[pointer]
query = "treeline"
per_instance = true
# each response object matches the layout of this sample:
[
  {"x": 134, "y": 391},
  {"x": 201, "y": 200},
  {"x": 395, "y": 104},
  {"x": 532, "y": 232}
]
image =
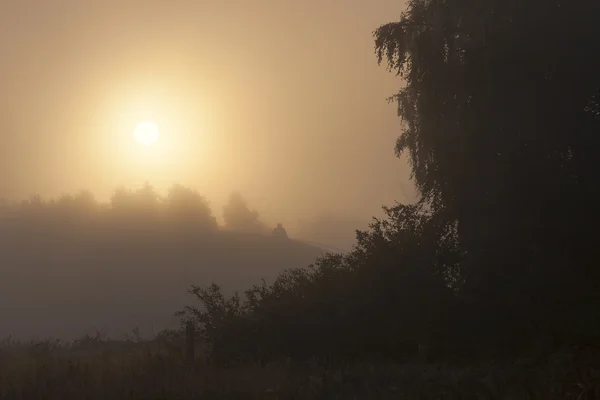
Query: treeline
[
  {"x": 501, "y": 117},
  {"x": 136, "y": 209},
  {"x": 73, "y": 265}
]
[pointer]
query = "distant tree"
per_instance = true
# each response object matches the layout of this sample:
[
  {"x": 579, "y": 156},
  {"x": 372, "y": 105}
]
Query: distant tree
[
  {"x": 280, "y": 232},
  {"x": 238, "y": 216},
  {"x": 501, "y": 122},
  {"x": 120, "y": 199},
  {"x": 35, "y": 207},
  {"x": 146, "y": 198},
  {"x": 82, "y": 205},
  {"x": 186, "y": 207},
  {"x": 85, "y": 201},
  {"x": 136, "y": 209}
]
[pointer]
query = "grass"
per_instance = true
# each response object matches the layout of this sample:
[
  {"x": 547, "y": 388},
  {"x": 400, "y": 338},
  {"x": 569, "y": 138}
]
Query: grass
[{"x": 99, "y": 368}]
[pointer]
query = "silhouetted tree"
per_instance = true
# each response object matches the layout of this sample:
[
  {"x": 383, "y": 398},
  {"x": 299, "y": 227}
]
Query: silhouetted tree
[
  {"x": 121, "y": 199},
  {"x": 501, "y": 123},
  {"x": 280, "y": 232},
  {"x": 34, "y": 209},
  {"x": 186, "y": 207},
  {"x": 141, "y": 205},
  {"x": 81, "y": 206},
  {"x": 238, "y": 216}
]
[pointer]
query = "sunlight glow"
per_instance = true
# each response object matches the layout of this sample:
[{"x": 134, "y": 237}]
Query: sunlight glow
[
  {"x": 146, "y": 133},
  {"x": 159, "y": 134}
]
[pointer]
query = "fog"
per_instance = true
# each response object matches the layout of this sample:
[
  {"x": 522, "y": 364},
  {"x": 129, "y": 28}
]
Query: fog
[
  {"x": 281, "y": 101},
  {"x": 74, "y": 266}
]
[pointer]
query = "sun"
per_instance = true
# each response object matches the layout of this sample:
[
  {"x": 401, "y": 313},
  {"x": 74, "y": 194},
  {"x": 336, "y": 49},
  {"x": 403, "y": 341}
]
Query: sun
[{"x": 146, "y": 133}]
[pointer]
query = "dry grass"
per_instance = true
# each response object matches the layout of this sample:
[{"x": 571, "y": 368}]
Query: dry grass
[{"x": 100, "y": 369}]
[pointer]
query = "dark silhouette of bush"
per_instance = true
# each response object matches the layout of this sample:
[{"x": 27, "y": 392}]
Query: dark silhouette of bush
[
  {"x": 379, "y": 301},
  {"x": 501, "y": 120}
]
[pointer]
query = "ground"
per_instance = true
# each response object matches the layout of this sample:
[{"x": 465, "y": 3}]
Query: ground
[{"x": 102, "y": 369}]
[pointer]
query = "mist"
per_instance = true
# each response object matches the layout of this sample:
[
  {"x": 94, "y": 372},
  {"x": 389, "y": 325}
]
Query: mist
[
  {"x": 73, "y": 266},
  {"x": 281, "y": 101}
]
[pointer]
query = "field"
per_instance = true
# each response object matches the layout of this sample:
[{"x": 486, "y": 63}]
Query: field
[{"x": 98, "y": 368}]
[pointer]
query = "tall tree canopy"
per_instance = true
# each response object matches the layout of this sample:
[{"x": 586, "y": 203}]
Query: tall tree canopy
[{"x": 501, "y": 111}]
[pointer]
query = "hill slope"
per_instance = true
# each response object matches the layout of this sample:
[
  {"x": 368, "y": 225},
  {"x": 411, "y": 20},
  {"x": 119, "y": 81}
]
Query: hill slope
[{"x": 63, "y": 282}]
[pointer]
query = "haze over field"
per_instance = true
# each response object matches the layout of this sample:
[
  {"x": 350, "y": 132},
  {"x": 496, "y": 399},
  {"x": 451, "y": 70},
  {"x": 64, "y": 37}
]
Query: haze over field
[{"x": 72, "y": 266}]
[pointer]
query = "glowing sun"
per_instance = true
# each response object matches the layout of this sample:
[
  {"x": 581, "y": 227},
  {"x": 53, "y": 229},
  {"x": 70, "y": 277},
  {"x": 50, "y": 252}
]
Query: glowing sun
[{"x": 146, "y": 133}]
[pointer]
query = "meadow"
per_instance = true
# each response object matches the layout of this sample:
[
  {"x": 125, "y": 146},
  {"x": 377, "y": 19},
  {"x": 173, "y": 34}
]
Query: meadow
[{"x": 95, "y": 367}]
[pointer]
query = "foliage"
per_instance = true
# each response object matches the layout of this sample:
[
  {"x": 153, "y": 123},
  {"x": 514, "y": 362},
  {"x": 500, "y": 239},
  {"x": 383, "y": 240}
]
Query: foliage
[
  {"x": 181, "y": 208},
  {"x": 369, "y": 301},
  {"x": 501, "y": 122}
]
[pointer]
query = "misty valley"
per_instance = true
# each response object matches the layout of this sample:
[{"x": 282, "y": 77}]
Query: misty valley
[{"x": 73, "y": 267}]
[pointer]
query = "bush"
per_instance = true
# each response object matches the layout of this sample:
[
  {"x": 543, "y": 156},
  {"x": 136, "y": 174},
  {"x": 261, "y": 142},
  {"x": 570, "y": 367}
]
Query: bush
[{"x": 368, "y": 304}]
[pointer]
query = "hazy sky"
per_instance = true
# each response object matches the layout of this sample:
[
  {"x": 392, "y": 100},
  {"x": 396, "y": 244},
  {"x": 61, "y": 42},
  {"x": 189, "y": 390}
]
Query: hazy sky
[{"x": 281, "y": 100}]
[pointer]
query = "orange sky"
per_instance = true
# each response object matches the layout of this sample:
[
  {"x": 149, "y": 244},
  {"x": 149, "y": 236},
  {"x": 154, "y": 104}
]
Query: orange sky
[{"x": 280, "y": 100}]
